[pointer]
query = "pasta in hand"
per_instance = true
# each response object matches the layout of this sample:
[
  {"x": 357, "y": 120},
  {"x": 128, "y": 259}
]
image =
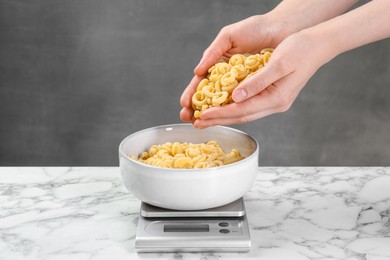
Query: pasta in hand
[
  {"x": 188, "y": 155},
  {"x": 216, "y": 90}
]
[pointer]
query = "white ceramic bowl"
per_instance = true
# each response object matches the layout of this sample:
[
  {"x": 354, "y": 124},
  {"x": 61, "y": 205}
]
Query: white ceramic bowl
[{"x": 188, "y": 189}]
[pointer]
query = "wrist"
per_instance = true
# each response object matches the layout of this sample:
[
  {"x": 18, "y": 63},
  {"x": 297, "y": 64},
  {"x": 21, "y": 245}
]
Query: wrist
[
  {"x": 320, "y": 44},
  {"x": 292, "y": 16},
  {"x": 308, "y": 48},
  {"x": 278, "y": 25}
]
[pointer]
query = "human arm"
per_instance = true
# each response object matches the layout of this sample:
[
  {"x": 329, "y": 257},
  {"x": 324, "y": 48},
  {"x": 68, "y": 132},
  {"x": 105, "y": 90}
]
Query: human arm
[
  {"x": 296, "y": 59},
  {"x": 261, "y": 31}
]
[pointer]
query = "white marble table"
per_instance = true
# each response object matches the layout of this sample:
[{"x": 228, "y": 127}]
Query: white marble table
[{"x": 294, "y": 213}]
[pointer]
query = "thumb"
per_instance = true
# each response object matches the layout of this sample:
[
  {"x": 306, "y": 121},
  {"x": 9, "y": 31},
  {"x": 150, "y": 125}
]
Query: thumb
[{"x": 261, "y": 80}]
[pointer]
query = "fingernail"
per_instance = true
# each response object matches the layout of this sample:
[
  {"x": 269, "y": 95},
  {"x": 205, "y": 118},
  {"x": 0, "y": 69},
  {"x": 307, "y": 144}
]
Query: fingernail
[
  {"x": 196, "y": 124},
  {"x": 240, "y": 95}
]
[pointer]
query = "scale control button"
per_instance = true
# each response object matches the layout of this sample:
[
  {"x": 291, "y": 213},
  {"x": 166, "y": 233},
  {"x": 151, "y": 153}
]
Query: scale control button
[
  {"x": 224, "y": 231},
  {"x": 223, "y": 224}
]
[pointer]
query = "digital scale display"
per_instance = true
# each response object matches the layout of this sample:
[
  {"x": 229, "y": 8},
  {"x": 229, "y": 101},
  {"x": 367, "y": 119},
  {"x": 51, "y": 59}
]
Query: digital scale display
[{"x": 188, "y": 228}]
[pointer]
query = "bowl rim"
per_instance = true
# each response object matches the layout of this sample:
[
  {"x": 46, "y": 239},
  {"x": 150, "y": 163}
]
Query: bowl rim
[{"x": 187, "y": 170}]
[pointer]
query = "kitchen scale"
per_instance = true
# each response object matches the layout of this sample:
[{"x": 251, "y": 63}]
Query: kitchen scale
[{"x": 221, "y": 229}]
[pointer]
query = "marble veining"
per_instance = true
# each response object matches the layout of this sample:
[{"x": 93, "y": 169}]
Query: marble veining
[{"x": 294, "y": 213}]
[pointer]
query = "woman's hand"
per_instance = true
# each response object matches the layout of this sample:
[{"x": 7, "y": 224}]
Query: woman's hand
[
  {"x": 298, "y": 54},
  {"x": 254, "y": 34},
  {"x": 274, "y": 88},
  {"x": 248, "y": 36}
]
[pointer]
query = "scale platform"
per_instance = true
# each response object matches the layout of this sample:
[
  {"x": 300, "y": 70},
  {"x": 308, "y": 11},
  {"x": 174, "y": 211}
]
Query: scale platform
[{"x": 221, "y": 229}]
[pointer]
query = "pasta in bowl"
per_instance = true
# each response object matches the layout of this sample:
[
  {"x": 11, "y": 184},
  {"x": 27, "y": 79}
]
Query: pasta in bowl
[
  {"x": 188, "y": 188},
  {"x": 188, "y": 155}
]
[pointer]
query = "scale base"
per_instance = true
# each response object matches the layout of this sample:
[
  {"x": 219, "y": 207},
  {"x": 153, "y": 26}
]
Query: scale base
[
  {"x": 146, "y": 250},
  {"x": 192, "y": 233}
]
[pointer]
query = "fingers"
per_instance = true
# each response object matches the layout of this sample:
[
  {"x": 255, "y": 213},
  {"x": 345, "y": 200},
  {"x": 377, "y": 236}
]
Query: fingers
[
  {"x": 240, "y": 113},
  {"x": 214, "y": 52},
  {"x": 270, "y": 90},
  {"x": 186, "y": 114},
  {"x": 266, "y": 100},
  {"x": 185, "y": 99},
  {"x": 232, "y": 121},
  {"x": 274, "y": 99},
  {"x": 211, "y": 55},
  {"x": 272, "y": 72}
]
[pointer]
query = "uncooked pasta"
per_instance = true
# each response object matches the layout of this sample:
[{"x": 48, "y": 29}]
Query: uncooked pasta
[
  {"x": 216, "y": 89},
  {"x": 188, "y": 155}
]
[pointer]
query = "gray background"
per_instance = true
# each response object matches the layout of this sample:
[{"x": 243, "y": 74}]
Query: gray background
[{"x": 77, "y": 76}]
